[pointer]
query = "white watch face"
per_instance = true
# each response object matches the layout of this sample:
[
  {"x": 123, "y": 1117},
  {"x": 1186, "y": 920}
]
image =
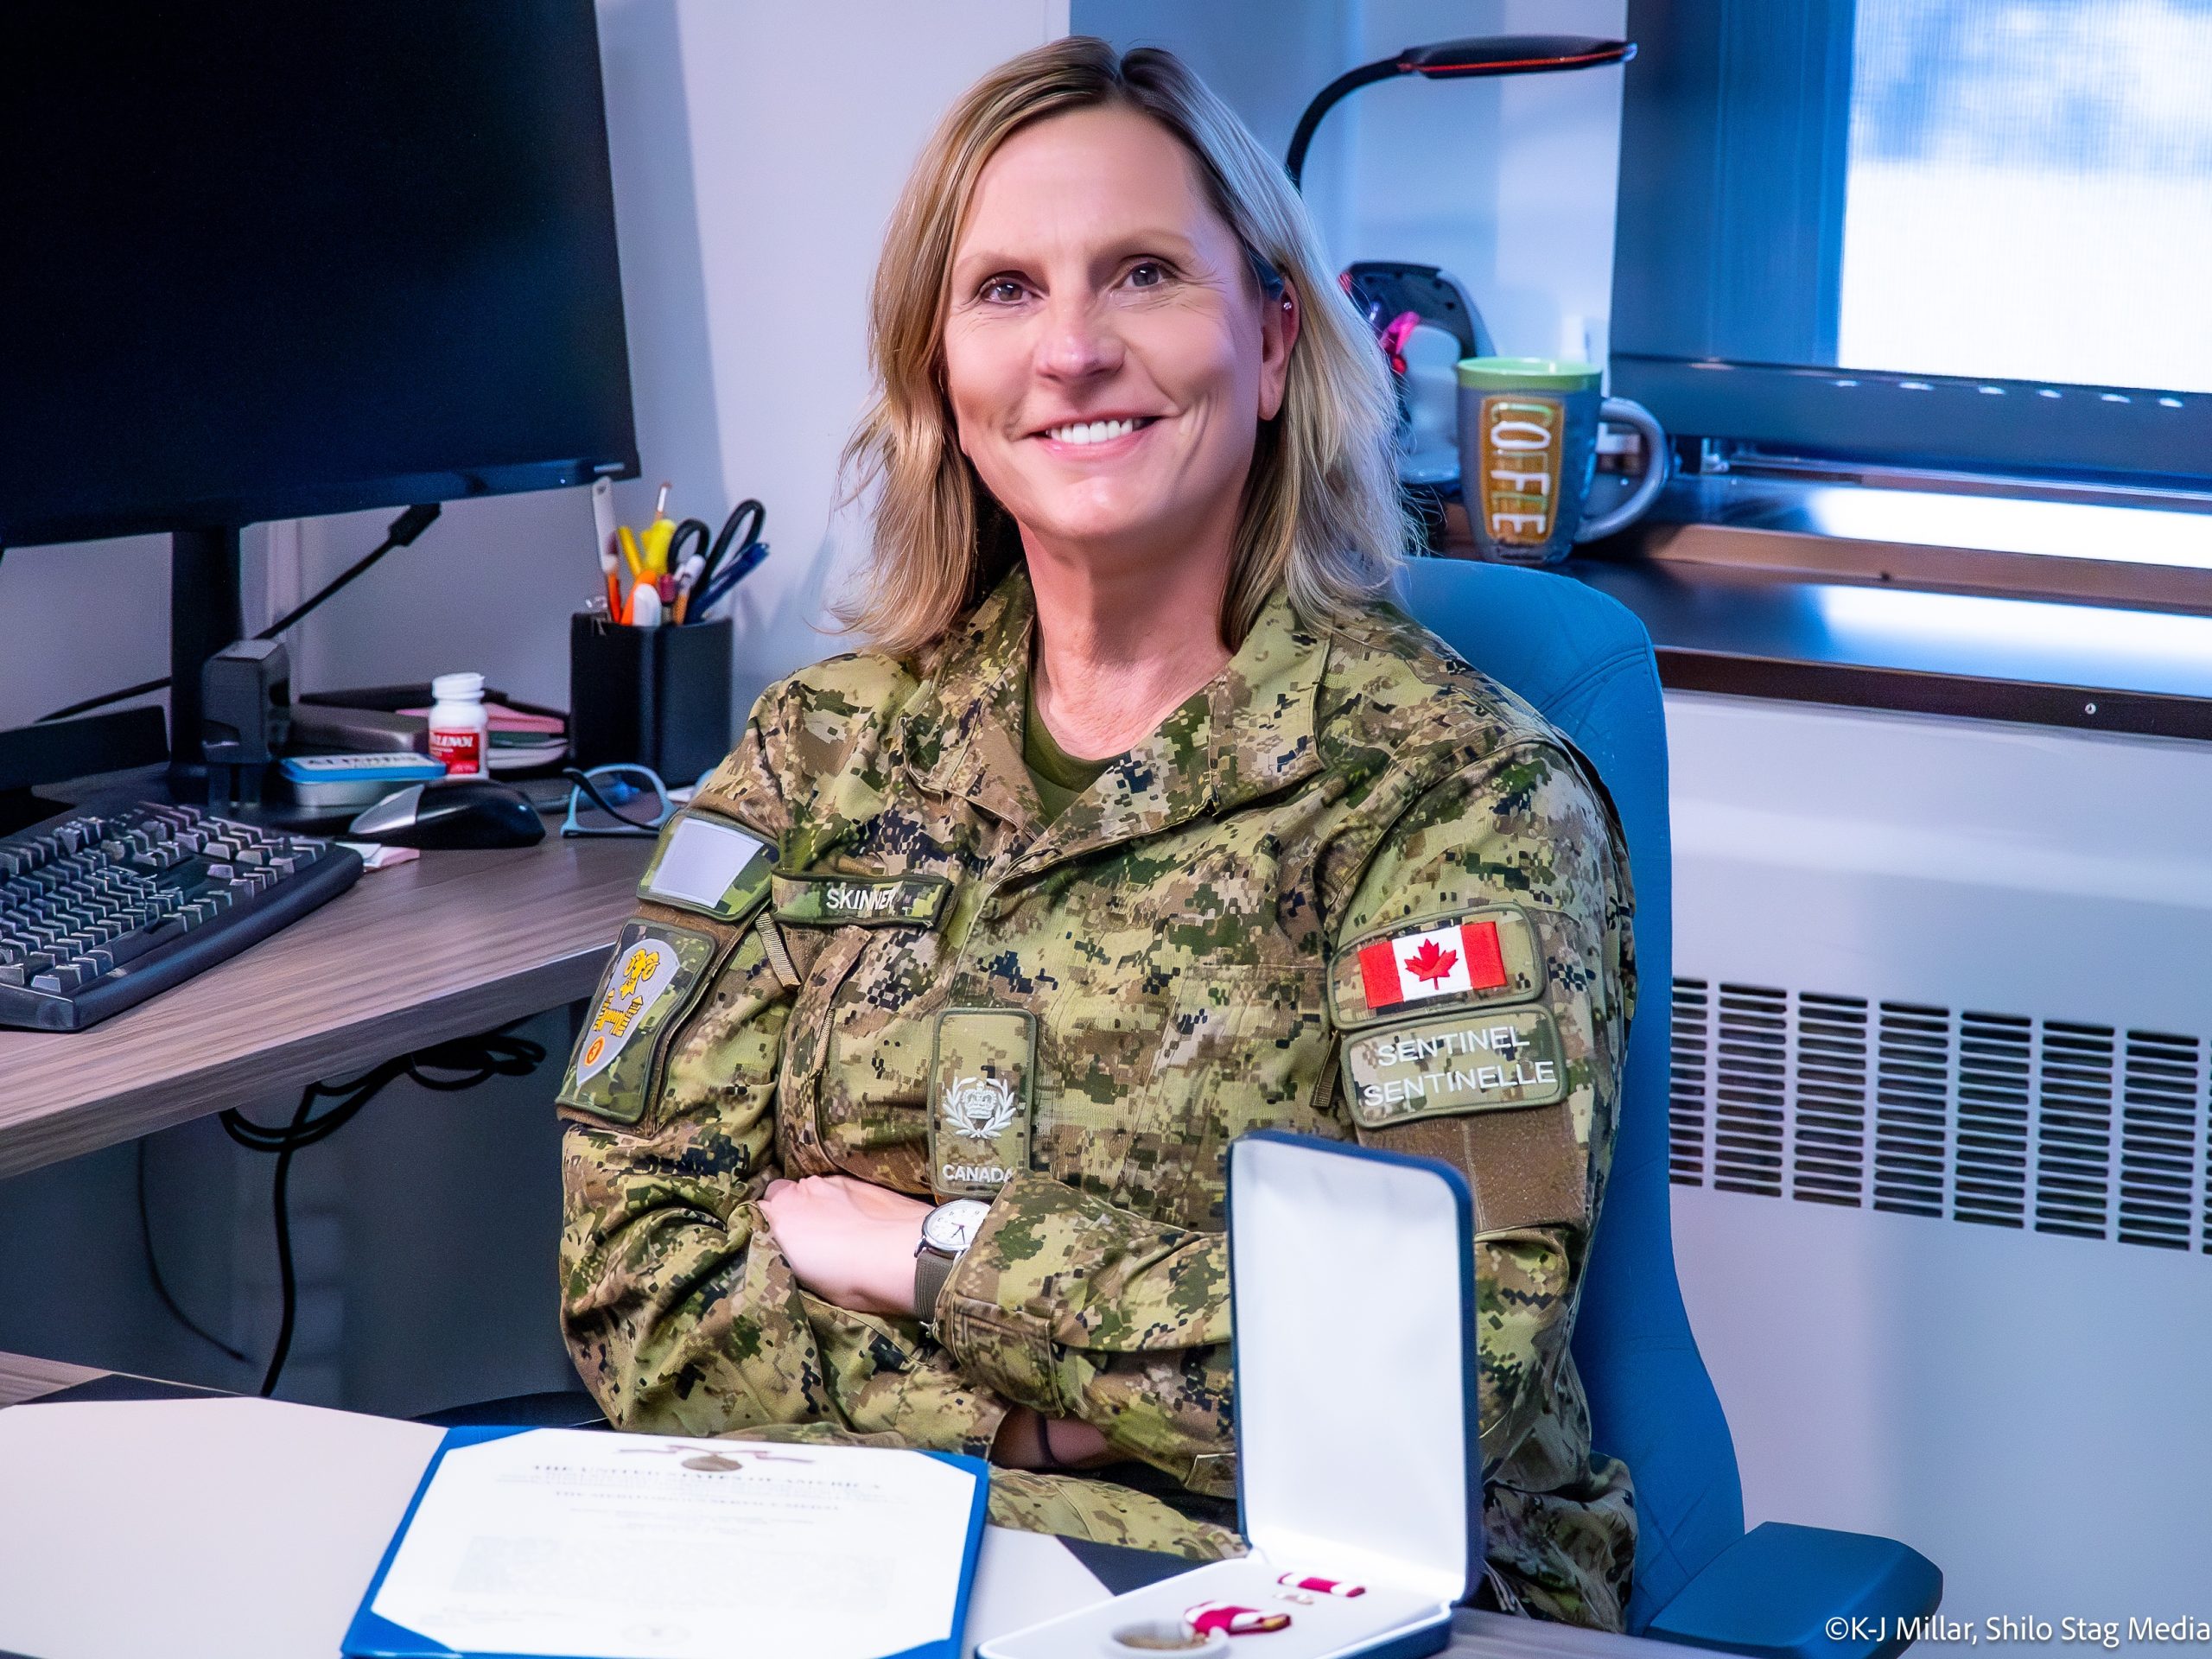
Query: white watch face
[{"x": 950, "y": 1226}]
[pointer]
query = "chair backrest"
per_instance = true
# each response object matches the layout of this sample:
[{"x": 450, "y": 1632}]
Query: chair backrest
[{"x": 1586, "y": 662}]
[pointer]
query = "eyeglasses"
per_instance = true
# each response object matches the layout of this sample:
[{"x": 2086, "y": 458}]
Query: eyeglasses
[{"x": 597, "y": 800}]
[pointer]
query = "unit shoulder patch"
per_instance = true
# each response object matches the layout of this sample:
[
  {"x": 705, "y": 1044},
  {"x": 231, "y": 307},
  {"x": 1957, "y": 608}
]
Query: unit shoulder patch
[
  {"x": 655, "y": 969},
  {"x": 1475, "y": 1060},
  {"x": 1486, "y": 956},
  {"x": 868, "y": 900},
  {"x": 709, "y": 865}
]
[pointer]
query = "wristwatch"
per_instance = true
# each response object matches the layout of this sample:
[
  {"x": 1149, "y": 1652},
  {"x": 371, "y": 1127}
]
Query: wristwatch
[{"x": 946, "y": 1231}]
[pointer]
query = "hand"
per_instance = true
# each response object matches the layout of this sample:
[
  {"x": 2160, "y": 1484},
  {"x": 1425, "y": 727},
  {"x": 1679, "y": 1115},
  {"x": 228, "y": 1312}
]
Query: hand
[
  {"x": 850, "y": 1243},
  {"x": 1027, "y": 1440}
]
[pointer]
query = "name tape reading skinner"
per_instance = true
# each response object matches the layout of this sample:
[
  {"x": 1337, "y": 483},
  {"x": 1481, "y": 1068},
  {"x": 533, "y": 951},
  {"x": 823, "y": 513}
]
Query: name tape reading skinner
[
  {"x": 844, "y": 899},
  {"x": 1470, "y": 1062},
  {"x": 836, "y": 900}
]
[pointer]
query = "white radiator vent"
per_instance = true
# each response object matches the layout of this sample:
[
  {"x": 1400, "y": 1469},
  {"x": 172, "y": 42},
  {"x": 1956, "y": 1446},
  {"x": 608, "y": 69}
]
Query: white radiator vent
[{"x": 2054, "y": 1125}]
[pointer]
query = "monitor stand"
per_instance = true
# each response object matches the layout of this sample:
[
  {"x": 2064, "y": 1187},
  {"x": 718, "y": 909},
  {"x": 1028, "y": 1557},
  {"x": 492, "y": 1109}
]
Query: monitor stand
[{"x": 206, "y": 616}]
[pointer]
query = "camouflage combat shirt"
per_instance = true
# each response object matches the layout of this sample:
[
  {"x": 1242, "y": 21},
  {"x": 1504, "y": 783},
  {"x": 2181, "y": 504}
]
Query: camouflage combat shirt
[{"x": 1352, "y": 888}]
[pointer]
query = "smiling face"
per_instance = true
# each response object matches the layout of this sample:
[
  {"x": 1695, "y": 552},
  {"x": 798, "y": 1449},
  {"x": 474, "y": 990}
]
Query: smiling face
[{"x": 1109, "y": 354}]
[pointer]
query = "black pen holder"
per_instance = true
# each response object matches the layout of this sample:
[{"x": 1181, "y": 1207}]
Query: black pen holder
[{"x": 653, "y": 696}]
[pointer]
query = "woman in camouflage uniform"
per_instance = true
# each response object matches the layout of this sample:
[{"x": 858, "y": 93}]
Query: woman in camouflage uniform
[{"x": 1135, "y": 499}]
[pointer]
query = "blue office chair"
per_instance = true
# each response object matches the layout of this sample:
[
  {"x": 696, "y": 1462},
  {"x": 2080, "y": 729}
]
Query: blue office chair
[{"x": 1585, "y": 661}]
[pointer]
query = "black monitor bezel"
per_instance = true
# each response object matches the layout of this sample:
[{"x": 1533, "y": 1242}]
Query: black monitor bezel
[{"x": 317, "y": 501}]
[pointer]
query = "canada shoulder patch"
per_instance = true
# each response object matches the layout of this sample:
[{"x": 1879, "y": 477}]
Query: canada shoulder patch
[{"x": 1429, "y": 963}]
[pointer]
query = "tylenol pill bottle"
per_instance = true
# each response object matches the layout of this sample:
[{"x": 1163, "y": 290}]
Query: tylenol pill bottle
[{"x": 460, "y": 728}]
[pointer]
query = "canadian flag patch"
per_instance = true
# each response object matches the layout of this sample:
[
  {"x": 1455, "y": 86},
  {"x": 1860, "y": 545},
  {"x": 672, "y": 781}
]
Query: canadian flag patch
[{"x": 1437, "y": 963}]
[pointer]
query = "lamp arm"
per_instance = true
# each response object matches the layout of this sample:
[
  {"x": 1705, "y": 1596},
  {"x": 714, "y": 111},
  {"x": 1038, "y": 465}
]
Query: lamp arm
[
  {"x": 1494, "y": 55},
  {"x": 1308, "y": 124}
]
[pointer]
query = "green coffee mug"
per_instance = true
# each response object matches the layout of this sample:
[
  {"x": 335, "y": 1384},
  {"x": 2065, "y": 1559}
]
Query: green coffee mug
[{"x": 1528, "y": 450}]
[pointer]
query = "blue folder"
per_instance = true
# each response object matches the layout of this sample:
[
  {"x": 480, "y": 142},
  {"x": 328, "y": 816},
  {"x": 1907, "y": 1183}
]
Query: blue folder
[{"x": 370, "y": 1636}]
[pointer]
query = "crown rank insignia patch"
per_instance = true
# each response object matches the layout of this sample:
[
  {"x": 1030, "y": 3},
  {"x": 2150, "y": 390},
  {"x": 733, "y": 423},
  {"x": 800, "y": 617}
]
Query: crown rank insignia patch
[{"x": 1440, "y": 962}]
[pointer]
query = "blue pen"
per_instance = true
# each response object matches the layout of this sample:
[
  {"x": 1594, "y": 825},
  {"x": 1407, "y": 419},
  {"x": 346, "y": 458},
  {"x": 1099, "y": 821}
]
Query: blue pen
[
  {"x": 740, "y": 565},
  {"x": 748, "y": 512}
]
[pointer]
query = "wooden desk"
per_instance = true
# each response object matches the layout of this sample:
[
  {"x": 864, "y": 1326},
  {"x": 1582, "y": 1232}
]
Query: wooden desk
[{"x": 451, "y": 944}]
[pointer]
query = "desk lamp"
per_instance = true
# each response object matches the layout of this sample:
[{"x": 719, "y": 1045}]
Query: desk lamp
[
  {"x": 1491, "y": 54},
  {"x": 1396, "y": 295}
]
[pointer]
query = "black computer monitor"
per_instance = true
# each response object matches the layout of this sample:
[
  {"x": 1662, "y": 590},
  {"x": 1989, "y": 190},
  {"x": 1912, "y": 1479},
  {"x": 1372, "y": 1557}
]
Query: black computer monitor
[{"x": 263, "y": 260}]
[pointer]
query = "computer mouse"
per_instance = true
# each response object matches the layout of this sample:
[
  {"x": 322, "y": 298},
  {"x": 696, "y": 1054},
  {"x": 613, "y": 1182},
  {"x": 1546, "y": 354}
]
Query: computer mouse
[{"x": 452, "y": 812}]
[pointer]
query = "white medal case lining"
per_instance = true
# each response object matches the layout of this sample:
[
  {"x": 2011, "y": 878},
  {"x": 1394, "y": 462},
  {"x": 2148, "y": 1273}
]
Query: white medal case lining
[{"x": 1352, "y": 1279}]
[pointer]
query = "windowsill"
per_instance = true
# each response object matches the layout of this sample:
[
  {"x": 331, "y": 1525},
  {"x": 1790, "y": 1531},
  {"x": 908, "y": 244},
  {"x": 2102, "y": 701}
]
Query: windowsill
[{"x": 2065, "y": 612}]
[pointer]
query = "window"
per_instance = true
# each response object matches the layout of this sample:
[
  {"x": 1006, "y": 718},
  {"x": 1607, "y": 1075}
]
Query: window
[
  {"x": 1951, "y": 233},
  {"x": 2029, "y": 192}
]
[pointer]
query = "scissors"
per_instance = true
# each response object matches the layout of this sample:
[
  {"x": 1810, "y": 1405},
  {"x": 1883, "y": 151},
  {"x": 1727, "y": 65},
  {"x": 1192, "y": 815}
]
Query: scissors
[
  {"x": 711, "y": 559},
  {"x": 722, "y": 544}
]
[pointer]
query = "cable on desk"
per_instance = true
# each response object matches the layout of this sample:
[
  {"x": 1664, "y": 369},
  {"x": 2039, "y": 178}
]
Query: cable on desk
[
  {"x": 475, "y": 1059},
  {"x": 161, "y": 1285},
  {"x": 401, "y": 532}
]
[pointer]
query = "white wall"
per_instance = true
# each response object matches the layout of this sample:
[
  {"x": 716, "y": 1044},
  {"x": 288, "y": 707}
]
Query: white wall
[
  {"x": 758, "y": 150},
  {"x": 1507, "y": 183},
  {"x": 1267, "y": 74},
  {"x": 80, "y": 621}
]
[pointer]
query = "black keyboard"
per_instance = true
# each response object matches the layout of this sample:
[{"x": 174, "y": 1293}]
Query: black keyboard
[{"x": 102, "y": 907}]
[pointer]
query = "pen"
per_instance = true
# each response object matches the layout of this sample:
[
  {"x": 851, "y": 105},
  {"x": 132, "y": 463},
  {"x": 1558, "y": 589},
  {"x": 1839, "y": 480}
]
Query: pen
[
  {"x": 644, "y": 605},
  {"x": 629, "y": 552},
  {"x": 719, "y": 586},
  {"x": 653, "y": 544},
  {"x": 689, "y": 532},
  {"x": 687, "y": 578},
  {"x": 602, "y": 520}
]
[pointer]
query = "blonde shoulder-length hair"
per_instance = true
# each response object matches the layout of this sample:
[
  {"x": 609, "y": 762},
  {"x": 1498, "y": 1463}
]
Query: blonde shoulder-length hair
[{"x": 1322, "y": 512}]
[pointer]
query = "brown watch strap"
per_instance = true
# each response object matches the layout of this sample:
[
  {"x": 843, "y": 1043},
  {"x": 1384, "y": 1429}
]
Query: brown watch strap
[{"x": 932, "y": 1266}]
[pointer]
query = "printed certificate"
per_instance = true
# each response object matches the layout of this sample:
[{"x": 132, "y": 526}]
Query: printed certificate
[{"x": 603, "y": 1546}]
